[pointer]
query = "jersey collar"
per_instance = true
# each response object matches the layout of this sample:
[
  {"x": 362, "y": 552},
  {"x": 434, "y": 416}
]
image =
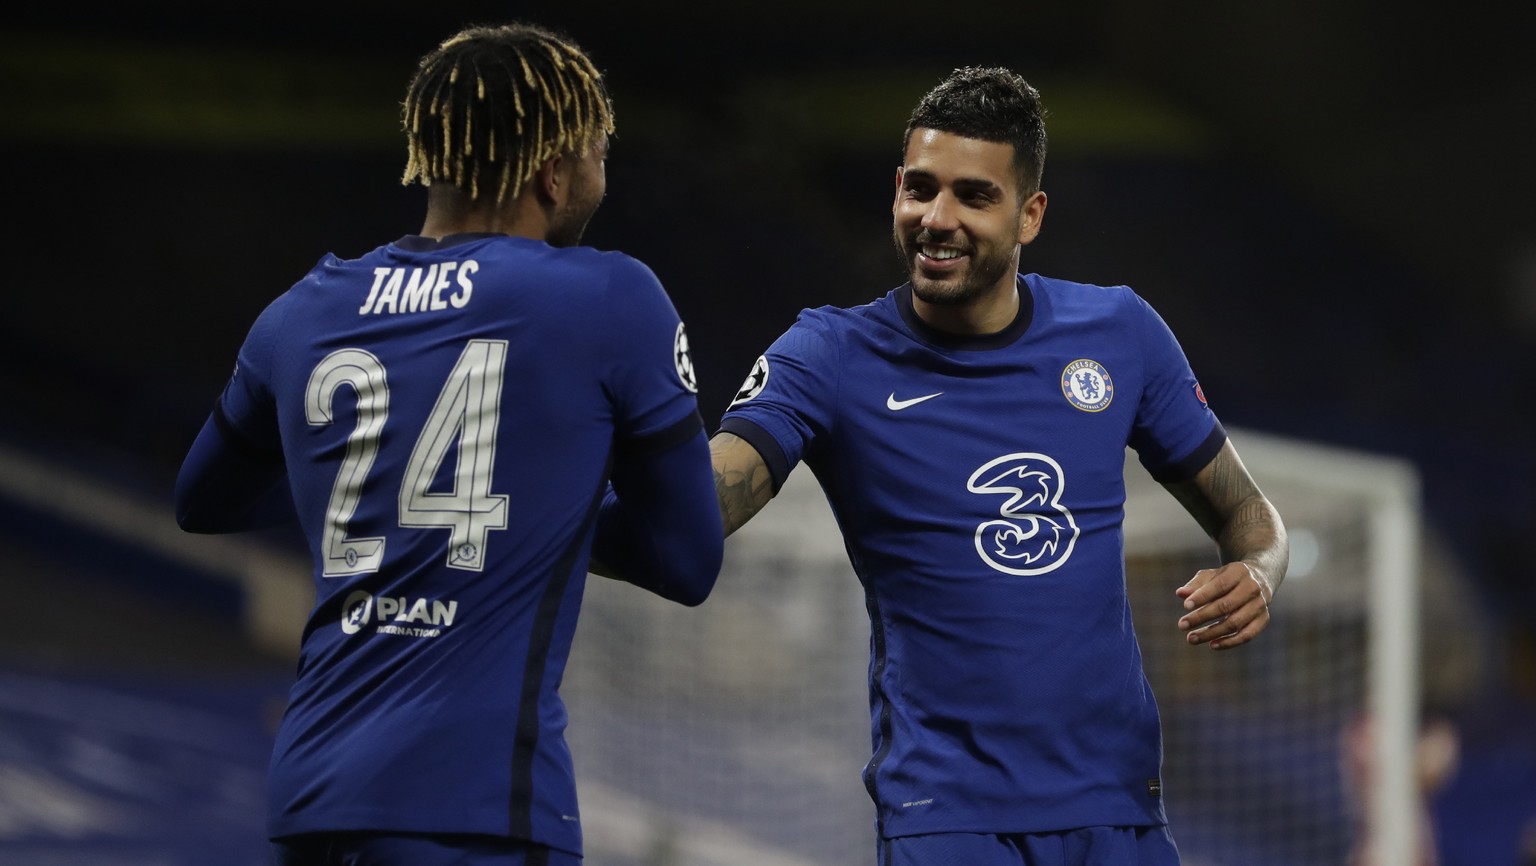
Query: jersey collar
[
  {"x": 419, "y": 244},
  {"x": 975, "y": 342}
]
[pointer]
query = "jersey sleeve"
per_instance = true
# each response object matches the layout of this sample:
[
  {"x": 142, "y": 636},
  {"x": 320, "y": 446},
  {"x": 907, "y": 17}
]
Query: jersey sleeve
[
  {"x": 786, "y": 403},
  {"x": 659, "y": 524},
  {"x": 1175, "y": 433},
  {"x": 651, "y": 375},
  {"x": 232, "y": 477},
  {"x": 246, "y": 411}
]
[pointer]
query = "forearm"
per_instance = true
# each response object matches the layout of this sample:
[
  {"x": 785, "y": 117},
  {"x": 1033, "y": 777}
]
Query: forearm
[
  {"x": 1254, "y": 534},
  {"x": 224, "y": 488},
  {"x": 658, "y": 527},
  {"x": 1229, "y": 506}
]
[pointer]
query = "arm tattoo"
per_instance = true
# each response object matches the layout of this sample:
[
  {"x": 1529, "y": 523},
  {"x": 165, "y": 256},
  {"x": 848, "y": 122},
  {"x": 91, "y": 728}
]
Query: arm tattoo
[
  {"x": 1230, "y": 508},
  {"x": 1228, "y": 483},
  {"x": 1252, "y": 514},
  {"x": 742, "y": 480}
]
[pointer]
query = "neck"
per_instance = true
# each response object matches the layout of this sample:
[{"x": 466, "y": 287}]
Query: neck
[
  {"x": 451, "y": 212},
  {"x": 987, "y": 313}
]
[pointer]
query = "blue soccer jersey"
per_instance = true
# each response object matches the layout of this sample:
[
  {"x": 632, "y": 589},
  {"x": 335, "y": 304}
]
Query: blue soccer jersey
[
  {"x": 978, "y": 483},
  {"x": 449, "y": 413}
]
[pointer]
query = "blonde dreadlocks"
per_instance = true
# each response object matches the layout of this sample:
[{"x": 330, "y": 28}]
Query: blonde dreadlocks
[{"x": 491, "y": 104}]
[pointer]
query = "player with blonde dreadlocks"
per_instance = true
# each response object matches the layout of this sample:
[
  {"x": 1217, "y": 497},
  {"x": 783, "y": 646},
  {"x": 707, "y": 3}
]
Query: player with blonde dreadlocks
[
  {"x": 491, "y": 108},
  {"x": 467, "y": 418}
]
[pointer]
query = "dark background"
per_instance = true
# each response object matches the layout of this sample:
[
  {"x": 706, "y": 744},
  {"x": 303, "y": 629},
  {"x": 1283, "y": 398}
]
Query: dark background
[{"x": 1329, "y": 202}]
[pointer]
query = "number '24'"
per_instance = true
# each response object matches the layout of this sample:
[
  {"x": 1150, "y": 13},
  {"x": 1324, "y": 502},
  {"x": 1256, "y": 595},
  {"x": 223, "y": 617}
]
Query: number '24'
[{"x": 466, "y": 414}]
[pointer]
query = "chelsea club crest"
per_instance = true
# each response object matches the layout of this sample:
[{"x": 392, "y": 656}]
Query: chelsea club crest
[{"x": 1086, "y": 385}]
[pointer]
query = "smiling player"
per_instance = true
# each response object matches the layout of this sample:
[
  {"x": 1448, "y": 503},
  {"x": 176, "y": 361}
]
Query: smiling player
[{"x": 969, "y": 430}]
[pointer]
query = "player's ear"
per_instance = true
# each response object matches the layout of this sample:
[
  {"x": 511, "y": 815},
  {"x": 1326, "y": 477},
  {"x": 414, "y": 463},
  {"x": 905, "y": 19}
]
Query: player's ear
[
  {"x": 550, "y": 181},
  {"x": 898, "y": 188},
  {"x": 1030, "y": 216}
]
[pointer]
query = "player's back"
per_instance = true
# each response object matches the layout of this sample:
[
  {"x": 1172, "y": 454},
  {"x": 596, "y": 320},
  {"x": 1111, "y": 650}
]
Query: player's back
[{"x": 448, "y": 413}]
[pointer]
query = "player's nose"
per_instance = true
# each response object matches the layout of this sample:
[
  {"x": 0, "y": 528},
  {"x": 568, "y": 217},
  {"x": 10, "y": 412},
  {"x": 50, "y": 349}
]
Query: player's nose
[{"x": 942, "y": 213}]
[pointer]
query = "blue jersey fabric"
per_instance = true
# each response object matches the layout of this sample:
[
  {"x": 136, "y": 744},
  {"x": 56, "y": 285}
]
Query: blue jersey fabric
[
  {"x": 978, "y": 483},
  {"x": 449, "y": 413}
]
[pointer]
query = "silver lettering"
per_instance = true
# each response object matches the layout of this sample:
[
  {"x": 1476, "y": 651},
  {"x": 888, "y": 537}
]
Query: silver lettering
[
  {"x": 442, "y": 283},
  {"x": 462, "y": 297},
  {"x": 418, "y": 290},
  {"x": 378, "y": 280},
  {"x": 391, "y": 294}
]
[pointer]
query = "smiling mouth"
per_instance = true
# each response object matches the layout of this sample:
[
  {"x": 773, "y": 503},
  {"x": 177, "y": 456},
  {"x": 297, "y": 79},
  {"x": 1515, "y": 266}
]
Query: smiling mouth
[{"x": 941, "y": 257}]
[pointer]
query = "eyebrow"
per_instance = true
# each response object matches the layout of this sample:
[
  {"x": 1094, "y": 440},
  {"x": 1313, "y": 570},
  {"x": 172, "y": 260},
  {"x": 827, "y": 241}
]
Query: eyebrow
[{"x": 975, "y": 182}]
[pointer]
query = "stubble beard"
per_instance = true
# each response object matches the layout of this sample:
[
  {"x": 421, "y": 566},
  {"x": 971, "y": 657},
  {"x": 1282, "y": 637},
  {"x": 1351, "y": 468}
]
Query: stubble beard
[
  {"x": 570, "y": 223},
  {"x": 981, "y": 274}
]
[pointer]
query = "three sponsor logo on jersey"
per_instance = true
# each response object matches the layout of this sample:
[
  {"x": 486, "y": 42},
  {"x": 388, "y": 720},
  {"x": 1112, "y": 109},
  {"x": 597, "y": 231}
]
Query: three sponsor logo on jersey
[{"x": 401, "y": 616}]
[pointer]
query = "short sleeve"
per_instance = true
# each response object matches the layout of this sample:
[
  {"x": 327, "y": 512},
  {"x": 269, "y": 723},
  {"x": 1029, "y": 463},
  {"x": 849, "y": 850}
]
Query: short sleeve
[
  {"x": 1175, "y": 433},
  {"x": 786, "y": 403},
  {"x": 651, "y": 378}
]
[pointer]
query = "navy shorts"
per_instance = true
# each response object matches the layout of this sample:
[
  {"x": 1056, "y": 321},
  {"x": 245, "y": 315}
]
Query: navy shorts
[
  {"x": 385, "y": 849},
  {"x": 1088, "y": 846}
]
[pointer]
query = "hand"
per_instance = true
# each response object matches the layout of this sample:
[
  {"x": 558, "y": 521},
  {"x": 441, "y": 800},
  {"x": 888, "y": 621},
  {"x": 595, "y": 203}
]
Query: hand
[{"x": 1227, "y": 606}]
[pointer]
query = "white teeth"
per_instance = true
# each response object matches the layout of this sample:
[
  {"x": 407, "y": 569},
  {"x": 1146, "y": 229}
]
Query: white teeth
[{"x": 940, "y": 253}]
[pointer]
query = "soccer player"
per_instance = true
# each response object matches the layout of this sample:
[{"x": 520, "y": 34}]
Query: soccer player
[
  {"x": 969, "y": 430},
  {"x": 448, "y": 411}
]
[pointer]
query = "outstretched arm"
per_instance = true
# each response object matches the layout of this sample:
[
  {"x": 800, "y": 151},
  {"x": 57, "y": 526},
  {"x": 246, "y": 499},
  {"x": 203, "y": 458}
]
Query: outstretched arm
[
  {"x": 1228, "y": 606},
  {"x": 658, "y": 528},
  {"x": 742, "y": 479}
]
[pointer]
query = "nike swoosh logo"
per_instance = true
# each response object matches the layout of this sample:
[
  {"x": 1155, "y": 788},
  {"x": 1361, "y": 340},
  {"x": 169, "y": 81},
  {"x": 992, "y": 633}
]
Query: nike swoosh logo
[{"x": 895, "y": 405}]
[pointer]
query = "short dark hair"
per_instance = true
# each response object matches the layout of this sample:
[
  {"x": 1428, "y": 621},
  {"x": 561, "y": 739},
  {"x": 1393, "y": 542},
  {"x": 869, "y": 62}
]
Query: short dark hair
[
  {"x": 491, "y": 104},
  {"x": 990, "y": 104}
]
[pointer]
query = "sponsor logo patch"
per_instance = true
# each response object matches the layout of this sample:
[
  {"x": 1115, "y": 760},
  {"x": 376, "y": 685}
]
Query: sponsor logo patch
[
  {"x": 1033, "y": 532},
  {"x": 402, "y": 616}
]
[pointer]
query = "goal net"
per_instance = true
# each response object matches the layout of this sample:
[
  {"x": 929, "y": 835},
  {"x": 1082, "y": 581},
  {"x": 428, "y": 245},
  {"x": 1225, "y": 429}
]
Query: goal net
[{"x": 735, "y": 733}]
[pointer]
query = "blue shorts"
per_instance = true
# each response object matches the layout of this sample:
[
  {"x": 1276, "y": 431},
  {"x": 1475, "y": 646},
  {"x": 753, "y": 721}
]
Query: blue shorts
[
  {"x": 1089, "y": 846},
  {"x": 386, "y": 849}
]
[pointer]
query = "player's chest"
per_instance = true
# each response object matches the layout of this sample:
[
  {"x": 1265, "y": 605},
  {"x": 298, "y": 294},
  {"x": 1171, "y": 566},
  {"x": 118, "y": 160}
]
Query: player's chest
[{"x": 1089, "y": 398}]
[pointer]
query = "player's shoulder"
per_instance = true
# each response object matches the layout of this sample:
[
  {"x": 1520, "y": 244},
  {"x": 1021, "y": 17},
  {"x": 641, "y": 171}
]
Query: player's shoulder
[
  {"x": 834, "y": 319},
  {"x": 624, "y": 270},
  {"x": 331, "y": 267},
  {"x": 314, "y": 280},
  {"x": 1068, "y": 299},
  {"x": 613, "y": 273},
  {"x": 571, "y": 275},
  {"x": 1082, "y": 294}
]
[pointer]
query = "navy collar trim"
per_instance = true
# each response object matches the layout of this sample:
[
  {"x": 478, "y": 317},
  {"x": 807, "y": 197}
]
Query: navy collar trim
[
  {"x": 975, "y": 342},
  {"x": 419, "y": 244}
]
